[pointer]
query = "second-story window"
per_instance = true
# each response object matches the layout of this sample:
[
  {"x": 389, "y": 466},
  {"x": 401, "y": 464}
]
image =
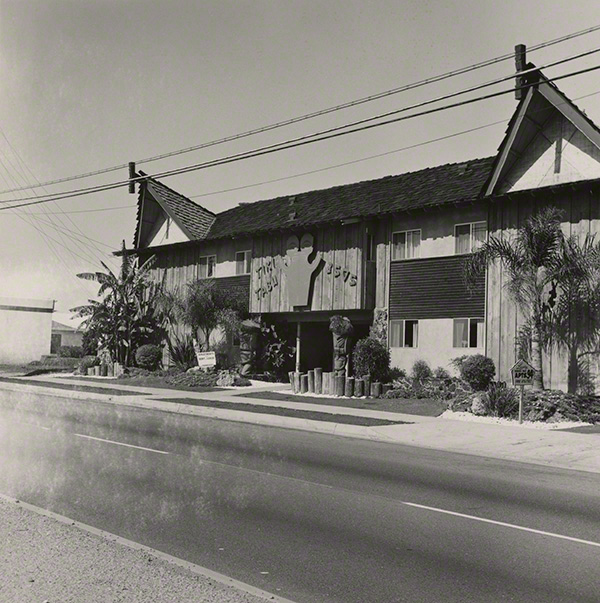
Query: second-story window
[
  {"x": 469, "y": 237},
  {"x": 243, "y": 262},
  {"x": 406, "y": 245},
  {"x": 207, "y": 266}
]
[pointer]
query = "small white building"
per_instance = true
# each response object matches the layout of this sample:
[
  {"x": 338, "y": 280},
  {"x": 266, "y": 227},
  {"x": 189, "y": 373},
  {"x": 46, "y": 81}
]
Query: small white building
[
  {"x": 25, "y": 329},
  {"x": 64, "y": 335}
]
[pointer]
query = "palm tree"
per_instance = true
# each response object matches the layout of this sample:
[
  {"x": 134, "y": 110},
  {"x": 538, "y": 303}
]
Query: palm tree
[
  {"x": 576, "y": 318},
  {"x": 127, "y": 314},
  {"x": 532, "y": 261}
]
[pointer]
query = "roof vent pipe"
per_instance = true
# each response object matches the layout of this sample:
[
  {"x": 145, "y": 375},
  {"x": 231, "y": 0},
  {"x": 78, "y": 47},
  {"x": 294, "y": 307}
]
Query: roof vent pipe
[{"x": 520, "y": 61}]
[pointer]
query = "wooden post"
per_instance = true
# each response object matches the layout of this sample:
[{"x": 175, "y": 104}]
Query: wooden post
[
  {"x": 318, "y": 380},
  {"x": 327, "y": 383},
  {"x": 303, "y": 383},
  {"x": 521, "y": 404},
  {"x": 349, "y": 389},
  {"x": 111, "y": 369},
  {"x": 339, "y": 385},
  {"x": 367, "y": 380},
  {"x": 297, "y": 381},
  {"x": 311, "y": 381},
  {"x": 298, "y": 335},
  {"x": 359, "y": 388},
  {"x": 376, "y": 389}
]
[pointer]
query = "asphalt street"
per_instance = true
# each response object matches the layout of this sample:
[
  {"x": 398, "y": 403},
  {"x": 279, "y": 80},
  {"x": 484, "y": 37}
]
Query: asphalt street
[{"x": 309, "y": 516}]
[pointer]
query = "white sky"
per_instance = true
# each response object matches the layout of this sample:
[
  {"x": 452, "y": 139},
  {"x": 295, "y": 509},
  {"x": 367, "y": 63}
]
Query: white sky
[{"x": 90, "y": 84}]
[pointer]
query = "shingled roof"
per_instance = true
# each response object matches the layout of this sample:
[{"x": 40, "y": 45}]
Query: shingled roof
[
  {"x": 444, "y": 184},
  {"x": 193, "y": 219}
]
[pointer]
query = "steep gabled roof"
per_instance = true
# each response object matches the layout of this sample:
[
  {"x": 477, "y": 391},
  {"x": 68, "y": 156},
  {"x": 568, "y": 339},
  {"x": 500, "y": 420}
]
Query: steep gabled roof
[
  {"x": 193, "y": 219},
  {"x": 537, "y": 106},
  {"x": 444, "y": 184}
]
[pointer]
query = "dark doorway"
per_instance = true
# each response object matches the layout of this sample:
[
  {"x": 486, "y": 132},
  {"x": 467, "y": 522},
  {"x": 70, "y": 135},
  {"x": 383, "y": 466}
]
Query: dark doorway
[{"x": 316, "y": 348}]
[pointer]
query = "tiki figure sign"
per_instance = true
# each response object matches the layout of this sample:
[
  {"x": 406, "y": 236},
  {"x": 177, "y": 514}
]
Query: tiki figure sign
[{"x": 300, "y": 268}]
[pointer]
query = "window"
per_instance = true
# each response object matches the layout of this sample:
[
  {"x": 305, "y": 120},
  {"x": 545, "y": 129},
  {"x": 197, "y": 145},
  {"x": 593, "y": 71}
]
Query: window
[
  {"x": 406, "y": 245},
  {"x": 469, "y": 237},
  {"x": 404, "y": 333},
  {"x": 468, "y": 333},
  {"x": 208, "y": 265},
  {"x": 243, "y": 262},
  {"x": 370, "y": 247}
]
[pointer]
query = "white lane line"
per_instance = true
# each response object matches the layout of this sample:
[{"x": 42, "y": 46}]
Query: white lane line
[
  {"x": 502, "y": 523},
  {"x": 388, "y": 499},
  {"x": 81, "y": 435}
]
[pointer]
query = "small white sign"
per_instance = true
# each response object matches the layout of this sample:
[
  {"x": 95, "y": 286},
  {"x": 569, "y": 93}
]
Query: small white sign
[
  {"x": 522, "y": 373},
  {"x": 205, "y": 359}
]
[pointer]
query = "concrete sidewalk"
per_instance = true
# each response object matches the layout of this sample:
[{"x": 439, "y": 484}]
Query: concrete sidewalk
[
  {"x": 48, "y": 558},
  {"x": 579, "y": 451}
]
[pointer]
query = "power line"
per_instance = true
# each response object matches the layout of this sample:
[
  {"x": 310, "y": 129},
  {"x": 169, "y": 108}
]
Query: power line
[
  {"x": 289, "y": 144},
  {"x": 329, "y": 167},
  {"x": 287, "y": 122}
]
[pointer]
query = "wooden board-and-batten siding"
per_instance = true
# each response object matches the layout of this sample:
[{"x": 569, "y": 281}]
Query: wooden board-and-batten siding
[
  {"x": 434, "y": 288},
  {"x": 179, "y": 266},
  {"x": 337, "y": 283},
  {"x": 581, "y": 216}
]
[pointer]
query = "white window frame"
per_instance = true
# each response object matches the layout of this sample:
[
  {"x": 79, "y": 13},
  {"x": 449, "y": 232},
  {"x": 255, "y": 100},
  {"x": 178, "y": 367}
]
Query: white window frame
[
  {"x": 247, "y": 262},
  {"x": 481, "y": 344},
  {"x": 207, "y": 257},
  {"x": 471, "y": 241},
  {"x": 405, "y": 232},
  {"x": 403, "y": 333}
]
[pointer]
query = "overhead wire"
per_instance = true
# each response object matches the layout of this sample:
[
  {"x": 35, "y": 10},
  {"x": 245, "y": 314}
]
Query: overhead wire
[
  {"x": 318, "y": 113},
  {"x": 95, "y": 252},
  {"x": 292, "y": 143}
]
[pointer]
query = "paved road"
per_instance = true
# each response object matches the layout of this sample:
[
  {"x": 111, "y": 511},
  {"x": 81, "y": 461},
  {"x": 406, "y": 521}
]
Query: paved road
[{"x": 309, "y": 516}]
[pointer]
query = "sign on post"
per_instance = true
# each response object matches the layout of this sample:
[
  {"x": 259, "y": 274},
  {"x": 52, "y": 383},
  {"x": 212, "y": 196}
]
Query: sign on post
[
  {"x": 204, "y": 359},
  {"x": 522, "y": 374}
]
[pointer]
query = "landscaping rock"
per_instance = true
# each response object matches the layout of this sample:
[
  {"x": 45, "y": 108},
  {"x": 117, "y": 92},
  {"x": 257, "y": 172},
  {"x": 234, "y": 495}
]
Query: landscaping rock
[{"x": 478, "y": 405}]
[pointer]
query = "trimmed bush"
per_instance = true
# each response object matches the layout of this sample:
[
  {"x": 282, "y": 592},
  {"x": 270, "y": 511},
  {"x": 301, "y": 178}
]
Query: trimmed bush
[
  {"x": 70, "y": 351},
  {"x": 477, "y": 370},
  {"x": 442, "y": 373},
  {"x": 371, "y": 357},
  {"x": 421, "y": 371},
  {"x": 148, "y": 356},
  {"x": 86, "y": 363}
]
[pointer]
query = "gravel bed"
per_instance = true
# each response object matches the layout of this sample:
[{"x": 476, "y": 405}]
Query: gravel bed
[
  {"x": 467, "y": 416},
  {"x": 45, "y": 561}
]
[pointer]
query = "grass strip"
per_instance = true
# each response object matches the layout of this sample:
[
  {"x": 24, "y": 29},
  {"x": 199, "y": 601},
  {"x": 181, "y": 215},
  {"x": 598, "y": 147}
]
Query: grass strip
[
  {"x": 287, "y": 412},
  {"x": 73, "y": 387},
  {"x": 423, "y": 407}
]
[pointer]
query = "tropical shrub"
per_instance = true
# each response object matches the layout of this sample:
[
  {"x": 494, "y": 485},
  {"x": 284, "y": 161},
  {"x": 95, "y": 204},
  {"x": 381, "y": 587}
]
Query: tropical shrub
[
  {"x": 501, "y": 401},
  {"x": 421, "y": 371},
  {"x": 127, "y": 314},
  {"x": 182, "y": 352},
  {"x": 477, "y": 370},
  {"x": 148, "y": 356},
  {"x": 371, "y": 357},
  {"x": 70, "y": 351},
  {"x": 276, "y": 351}
]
